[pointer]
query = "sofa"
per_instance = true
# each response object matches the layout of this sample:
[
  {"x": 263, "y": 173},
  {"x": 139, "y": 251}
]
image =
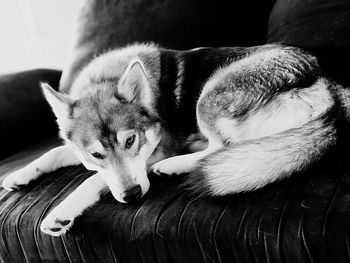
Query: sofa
[{"x": 305, "y": 218}]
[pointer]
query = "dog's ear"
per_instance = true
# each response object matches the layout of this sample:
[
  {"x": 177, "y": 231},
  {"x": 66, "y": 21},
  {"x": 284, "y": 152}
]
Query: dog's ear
[
  {"x": 134, "y": 85},
  {"x": 61, "y": 104}
]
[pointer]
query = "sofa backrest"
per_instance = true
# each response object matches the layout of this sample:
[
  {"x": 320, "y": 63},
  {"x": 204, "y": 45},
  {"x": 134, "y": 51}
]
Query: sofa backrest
[
  {"x": 179, "y": 24},
  {"x": 321, "y": 26}
]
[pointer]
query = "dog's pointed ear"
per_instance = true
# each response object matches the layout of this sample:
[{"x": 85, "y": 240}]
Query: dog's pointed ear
[
  {"x": 134, "y": 85},
  {"x": 61, "y": 104}
]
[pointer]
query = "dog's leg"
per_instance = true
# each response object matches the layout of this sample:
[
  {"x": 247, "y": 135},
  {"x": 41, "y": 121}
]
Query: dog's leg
[
  {"x": 56, "y": 158},
  {"x": 188, "y": 162},
  {"x": 179, "y": 164},
  {"x": 62, "y": 216},
  {"x": 196, "y": 145}
]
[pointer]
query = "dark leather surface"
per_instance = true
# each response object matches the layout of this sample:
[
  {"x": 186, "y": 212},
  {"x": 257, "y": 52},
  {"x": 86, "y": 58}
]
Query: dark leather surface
[
  {"x": 302, "y": 219},
  {"x": 25, "y": 116}
]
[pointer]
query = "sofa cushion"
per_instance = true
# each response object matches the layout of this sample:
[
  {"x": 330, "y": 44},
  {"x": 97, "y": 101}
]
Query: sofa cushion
[
  {"x": 180, "y": 24},
  {"x": 302, "y": 219}
]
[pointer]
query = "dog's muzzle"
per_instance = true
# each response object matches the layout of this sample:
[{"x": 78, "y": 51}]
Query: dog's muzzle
[{"x": 132, "y": 194}]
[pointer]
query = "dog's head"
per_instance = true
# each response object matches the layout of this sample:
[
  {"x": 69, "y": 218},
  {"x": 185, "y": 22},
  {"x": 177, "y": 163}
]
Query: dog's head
[{"x": 113, "y": 129}]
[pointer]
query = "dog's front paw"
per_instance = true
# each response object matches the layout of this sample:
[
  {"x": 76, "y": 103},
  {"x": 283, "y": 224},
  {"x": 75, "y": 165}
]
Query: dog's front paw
[
  {"x": 169, "y": 167},
  {"x": 17, "y": 179},
  {"x": 56, "y": 223}
]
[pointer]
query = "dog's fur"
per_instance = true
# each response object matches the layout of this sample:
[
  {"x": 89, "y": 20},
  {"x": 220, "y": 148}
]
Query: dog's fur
[{"x": 251, "y": 116}]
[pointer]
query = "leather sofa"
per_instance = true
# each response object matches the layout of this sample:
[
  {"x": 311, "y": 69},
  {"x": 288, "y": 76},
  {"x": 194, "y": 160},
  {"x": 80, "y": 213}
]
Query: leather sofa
[{"x": 305, "y": 218}]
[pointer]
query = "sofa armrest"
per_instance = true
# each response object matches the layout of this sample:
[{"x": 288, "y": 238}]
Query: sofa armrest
[{"x": 25, "y": 116}]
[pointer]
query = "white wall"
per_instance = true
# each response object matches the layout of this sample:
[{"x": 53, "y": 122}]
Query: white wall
[{"x": 36, "y": 33}]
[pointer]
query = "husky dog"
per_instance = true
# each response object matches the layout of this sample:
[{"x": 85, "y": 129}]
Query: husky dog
[{"x": 250, "y": 116}]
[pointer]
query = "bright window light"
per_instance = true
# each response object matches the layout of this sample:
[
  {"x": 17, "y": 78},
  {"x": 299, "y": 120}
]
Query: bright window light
[{"x": 36, "y": 33}]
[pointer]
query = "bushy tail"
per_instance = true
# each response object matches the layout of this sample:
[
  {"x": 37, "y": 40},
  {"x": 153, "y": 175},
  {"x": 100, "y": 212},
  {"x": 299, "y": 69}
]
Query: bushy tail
[{"x": 253, "y": 164}]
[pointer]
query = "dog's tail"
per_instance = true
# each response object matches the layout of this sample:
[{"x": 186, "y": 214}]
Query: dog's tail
[{"x": 253, "y": 164}]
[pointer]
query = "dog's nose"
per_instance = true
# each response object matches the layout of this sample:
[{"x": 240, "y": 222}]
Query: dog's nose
[{"x": 132, "y": 194}]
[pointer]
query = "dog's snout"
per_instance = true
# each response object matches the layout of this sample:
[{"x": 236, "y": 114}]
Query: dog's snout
[{"x": 132, "y": 194}]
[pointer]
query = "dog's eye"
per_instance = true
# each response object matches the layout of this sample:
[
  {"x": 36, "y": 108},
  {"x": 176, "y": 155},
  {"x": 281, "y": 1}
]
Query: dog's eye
[
  {"x": 129, "y": 141},
  {"x": 98, "y": 155}
]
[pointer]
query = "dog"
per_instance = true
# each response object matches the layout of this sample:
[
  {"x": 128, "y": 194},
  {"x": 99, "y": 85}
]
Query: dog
[{"x": 234, "y": 118}]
